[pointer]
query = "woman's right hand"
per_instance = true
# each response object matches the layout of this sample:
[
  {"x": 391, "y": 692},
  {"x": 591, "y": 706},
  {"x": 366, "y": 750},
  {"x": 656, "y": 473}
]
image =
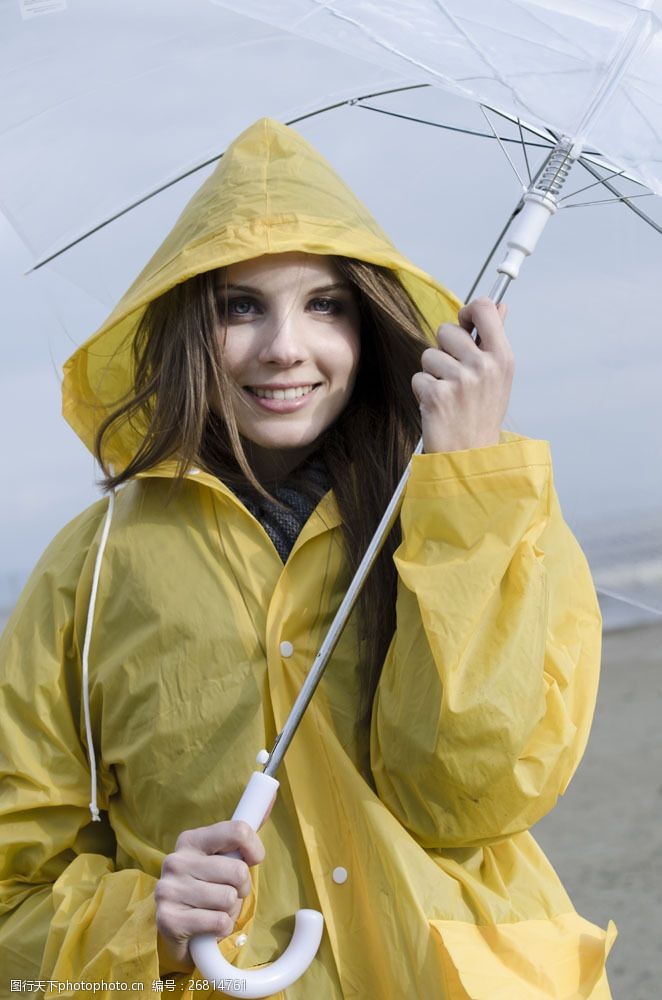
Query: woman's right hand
[{"x": 201, "y": 892}]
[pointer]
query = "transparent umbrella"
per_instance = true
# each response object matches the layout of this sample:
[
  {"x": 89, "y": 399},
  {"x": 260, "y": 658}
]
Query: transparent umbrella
[{"x": 94, "y": 97}]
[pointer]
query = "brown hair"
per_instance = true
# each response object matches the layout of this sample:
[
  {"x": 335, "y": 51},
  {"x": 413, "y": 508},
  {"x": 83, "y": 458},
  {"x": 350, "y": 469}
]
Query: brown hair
[{"x": 178, "y": 364}]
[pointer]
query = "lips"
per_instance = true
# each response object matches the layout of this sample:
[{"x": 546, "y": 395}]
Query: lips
[{"x": 281, "y": 399}]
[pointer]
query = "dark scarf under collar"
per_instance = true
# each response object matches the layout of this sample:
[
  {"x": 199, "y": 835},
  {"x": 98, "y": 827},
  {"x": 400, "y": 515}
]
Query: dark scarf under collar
[{"x": 300, "y": 493}]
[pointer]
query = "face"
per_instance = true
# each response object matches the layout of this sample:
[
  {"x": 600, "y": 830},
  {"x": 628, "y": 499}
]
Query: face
[{"x": 292, "y": 350}]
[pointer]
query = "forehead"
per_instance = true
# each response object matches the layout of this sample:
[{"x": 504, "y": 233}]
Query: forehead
[{"x": 284, "y": 270}]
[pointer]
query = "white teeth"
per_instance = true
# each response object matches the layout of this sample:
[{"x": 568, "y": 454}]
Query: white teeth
[{"x": 301, "y": 390}]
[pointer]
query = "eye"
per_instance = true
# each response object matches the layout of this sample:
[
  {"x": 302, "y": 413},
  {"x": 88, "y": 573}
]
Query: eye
[
  {"x": 330, "y": 307},
  {"x": 239, "y": 306}
]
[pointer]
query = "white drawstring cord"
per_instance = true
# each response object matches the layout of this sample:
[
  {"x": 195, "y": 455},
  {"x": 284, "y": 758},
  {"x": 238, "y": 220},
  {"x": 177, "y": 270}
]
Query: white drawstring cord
[{"x": 94, "y": 809}]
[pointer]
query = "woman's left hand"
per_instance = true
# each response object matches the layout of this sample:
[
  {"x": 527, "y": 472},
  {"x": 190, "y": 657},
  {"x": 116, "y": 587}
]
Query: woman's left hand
[{"x": 464, "y": 389}]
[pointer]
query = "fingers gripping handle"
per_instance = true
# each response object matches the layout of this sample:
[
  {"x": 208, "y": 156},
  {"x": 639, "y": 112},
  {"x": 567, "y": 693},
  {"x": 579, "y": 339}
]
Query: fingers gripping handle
[{"x": 308, "y": 927}]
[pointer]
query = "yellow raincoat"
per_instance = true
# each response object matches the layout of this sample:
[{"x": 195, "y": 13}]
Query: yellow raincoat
[{"x": 481, "y": 715}]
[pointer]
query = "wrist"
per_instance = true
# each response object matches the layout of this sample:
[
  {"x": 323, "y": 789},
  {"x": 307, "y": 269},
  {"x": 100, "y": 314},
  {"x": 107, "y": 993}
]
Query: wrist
[
  {"x": 170, "y": 956},
  {"x": 459, "y": 443}
]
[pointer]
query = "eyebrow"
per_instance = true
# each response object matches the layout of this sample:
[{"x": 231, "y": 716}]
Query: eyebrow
[{"x": 338, "y": 286}]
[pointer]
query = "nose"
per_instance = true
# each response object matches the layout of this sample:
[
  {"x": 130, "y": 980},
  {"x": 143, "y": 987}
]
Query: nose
[{"x": 284, "y": 343}]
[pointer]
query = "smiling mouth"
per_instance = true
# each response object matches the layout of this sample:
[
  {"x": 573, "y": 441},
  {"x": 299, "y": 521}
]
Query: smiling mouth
[{"x": 295, "y": 392}]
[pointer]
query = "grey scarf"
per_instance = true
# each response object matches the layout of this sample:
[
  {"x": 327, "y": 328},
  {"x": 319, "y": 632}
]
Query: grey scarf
[{"x": 284, "y": 524}]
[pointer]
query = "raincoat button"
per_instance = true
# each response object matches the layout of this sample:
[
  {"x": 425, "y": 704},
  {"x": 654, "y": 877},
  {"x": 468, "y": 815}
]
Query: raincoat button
[
  {"x": 339, "y": 875},
  {"x": 241, "y": 939},
  {"x": 286, "y": 648}
]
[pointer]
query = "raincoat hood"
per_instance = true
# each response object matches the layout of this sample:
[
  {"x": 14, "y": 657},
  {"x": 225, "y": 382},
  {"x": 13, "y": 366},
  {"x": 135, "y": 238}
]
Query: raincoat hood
[{"x": 271, "y": 193}]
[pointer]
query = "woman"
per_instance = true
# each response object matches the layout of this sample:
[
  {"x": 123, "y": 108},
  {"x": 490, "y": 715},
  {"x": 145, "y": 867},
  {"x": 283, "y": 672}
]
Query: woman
[{"x": 251, "y": 402}]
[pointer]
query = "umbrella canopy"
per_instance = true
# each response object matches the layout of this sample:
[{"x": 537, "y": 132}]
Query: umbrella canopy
[
  {"x": 92, "y": 94},
  {"x": 591, "y": 69}
]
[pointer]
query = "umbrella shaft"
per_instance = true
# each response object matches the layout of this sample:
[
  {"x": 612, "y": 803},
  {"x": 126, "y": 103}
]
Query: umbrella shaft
[{"x": 498, "y": 289}]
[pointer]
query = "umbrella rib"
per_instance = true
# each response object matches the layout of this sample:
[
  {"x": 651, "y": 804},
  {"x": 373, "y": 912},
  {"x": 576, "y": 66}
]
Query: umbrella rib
[
  {"x": 593, "y": 171},
  {"x": 448, "y": 128},
  {"x": 624, "y": 199},
  {"x": 201, "y": 166},
  {"x": 517, "y": 209},
  {"x": 539, "y": 131},
  {"x": 124, "y": 211},
  {"x": 587, "y": 187},
  {"x": 503, "y": 148},
  {"x": 609, "y": 201},
  {"x": 526, "y": 155},
  {"x": 356, "y": 102},
  {"x": 351, "y": 101}
]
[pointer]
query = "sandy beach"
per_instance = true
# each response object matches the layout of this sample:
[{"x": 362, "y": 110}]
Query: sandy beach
[{"x": 605, "y": 835}]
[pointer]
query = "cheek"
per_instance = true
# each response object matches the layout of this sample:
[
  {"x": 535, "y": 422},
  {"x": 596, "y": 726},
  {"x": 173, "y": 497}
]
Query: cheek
[
  {"x": 235, "y": 351},
  {"x": 346, "y": 355},
  {"x": 353, "y": 357}
]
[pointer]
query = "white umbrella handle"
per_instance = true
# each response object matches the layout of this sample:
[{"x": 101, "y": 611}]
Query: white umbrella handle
[{"x": 308, "y": 927}]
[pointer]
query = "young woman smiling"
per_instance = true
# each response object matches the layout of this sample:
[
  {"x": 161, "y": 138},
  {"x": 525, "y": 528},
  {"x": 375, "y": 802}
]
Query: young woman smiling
[{"x": 253, "y": 401}]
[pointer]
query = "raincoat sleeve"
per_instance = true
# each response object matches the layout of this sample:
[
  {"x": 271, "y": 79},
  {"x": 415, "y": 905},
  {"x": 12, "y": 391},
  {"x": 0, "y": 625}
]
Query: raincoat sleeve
[
  {"x": 65, "y": 912},
  {"x": 484, "y": 705}
]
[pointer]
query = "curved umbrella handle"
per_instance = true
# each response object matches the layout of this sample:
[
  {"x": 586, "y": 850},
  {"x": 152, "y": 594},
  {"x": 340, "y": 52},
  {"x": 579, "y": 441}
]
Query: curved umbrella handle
[{"x": 308, "y": 927}]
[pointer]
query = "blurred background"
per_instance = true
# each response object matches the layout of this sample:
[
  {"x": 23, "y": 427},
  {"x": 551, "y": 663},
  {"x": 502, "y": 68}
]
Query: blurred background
[{"x": 103, "y": 104}]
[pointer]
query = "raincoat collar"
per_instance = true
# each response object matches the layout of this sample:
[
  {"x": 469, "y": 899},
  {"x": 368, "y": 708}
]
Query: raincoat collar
[{"x": 324, "y": 517}]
